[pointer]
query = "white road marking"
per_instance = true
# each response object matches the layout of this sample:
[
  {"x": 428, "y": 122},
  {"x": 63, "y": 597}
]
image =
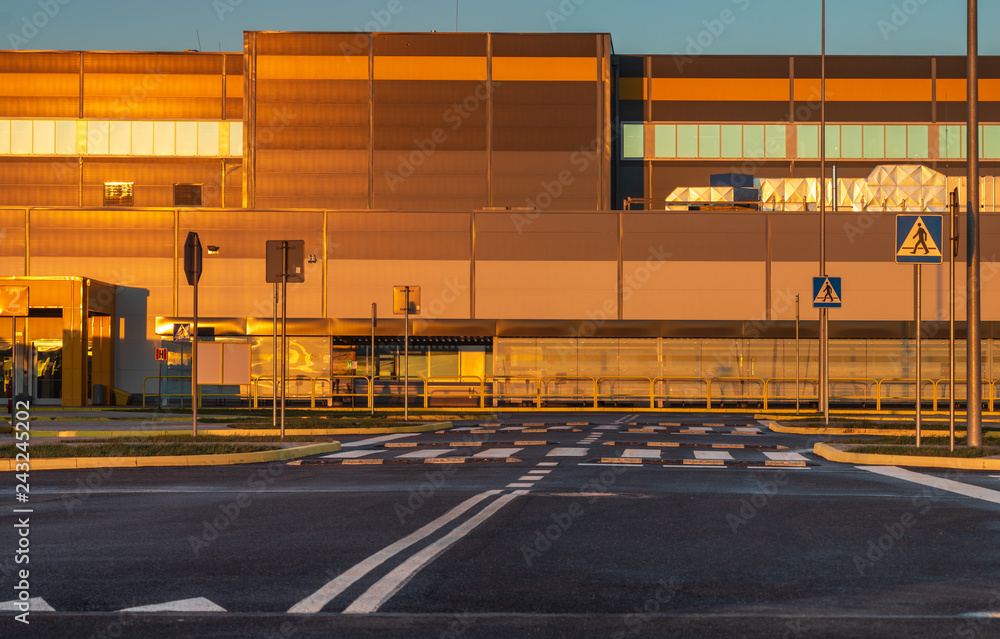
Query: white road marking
[
  {"x": 547, "y": 463},
  {"x": 383, "y": 589},
  {"x": 519, "y": 484},
  {"x": 790, "y": 456},
  {"x": 37, "y": 604},
  {"x": 376, "y": 440},
  {"x": 647, "y": 453},
  {"x": 350, "y": 454},
  {"x": 197, "y": 604},
  {"x": 523, "y": 427},
  {"x": 608, "y": 427},
  {"x": 425, "y": 453},
  {"x": 712, "y": 454},
  {"x": 539, "y": 472},
  {"x": 566, "y": 452},
  {"x": 497, "y": 452},
  {"x": 751, "y": 429},
  {"x": 529, "y": 478},
  {"x": 315, "y": 602},
  {"x": 979, "y": 615},
  {"x": 936, "y": 482}
]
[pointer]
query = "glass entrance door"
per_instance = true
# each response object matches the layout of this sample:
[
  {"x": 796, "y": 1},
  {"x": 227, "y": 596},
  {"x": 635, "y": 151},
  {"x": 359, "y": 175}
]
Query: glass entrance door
[{"x": 46, "y": 371}]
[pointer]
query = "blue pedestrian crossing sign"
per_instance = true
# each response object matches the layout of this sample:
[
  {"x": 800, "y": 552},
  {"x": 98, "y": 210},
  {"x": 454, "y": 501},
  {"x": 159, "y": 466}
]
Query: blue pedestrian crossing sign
[
  {"x": 826, "y": 292},
  {"x": 918, "y": 239}
]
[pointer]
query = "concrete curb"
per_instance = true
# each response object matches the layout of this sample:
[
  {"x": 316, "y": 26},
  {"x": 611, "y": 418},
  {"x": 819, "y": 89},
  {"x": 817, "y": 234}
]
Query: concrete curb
[
  {"x": 321, "y": 461},
  {"x": 832, "y": 453},
  {"x": 884, "y": 432},
  {"x": 75, "y": 463},
  {"x": 247, "y": 432}
]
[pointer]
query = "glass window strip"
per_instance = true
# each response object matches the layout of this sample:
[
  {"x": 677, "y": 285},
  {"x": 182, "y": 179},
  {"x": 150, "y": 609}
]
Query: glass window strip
[{"x": 177, "y": 138}]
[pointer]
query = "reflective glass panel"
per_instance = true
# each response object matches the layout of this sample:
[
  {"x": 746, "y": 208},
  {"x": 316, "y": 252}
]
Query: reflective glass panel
[
  {"x": 753, "y": 141},
  {"x": 632, "y": 142},
  {"x": 732, "y": 141},
  {"x": 66, "y": 137},
  {"x": 120, "y": 138},
  {"x": 97, "y": 138},
  {"x": 163, "y": 138},
  {"x": 186, "y": 142},
  {"x": 208, "y": 138},
  {"x": 236, "y": 139},
  {"x": 808, "y": 141},
  {"x": 916, "y": 142},
  {"x": 708, "y": 140},
  {"x": 687, "y": 140},
  {"x": 832, "y": 141},
  {"x": 775, "y": 140},
  {"x": 895, "y": 141},
  {"x": 43, "y": 137},
  {"x": 850, "y": 141},
  {"x": 665, "y": 140},
  {"x": 142, "y": 138}
]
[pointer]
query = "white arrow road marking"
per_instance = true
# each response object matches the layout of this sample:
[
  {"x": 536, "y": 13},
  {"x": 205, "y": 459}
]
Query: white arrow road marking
[
  {"x": 197, "y": 604},
  {"x": 936, "y": 482},
  {"x": 315, "y": 602},
  {"x": 387, "y": 586},
  {"x": 36, "y": 604}
]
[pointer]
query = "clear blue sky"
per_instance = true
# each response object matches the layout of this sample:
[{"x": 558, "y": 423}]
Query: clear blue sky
[{"x": 874, "y": 27}]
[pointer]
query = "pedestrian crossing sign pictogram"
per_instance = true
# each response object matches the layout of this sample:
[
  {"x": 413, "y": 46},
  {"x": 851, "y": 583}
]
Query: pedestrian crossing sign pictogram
[
  {"x": 826, "y": 292},
  {"x": 918, "y": 239}
]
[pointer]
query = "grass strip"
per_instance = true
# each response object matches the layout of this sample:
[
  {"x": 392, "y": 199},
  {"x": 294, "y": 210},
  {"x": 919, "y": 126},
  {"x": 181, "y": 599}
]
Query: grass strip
[
  {"x": 925, "y": 451},
  {"x": 121, "y": 449}
]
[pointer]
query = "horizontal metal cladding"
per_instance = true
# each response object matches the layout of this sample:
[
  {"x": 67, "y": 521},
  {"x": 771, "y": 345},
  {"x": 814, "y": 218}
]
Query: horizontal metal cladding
[
  {"x": 414, "y": 235},
  {"x": 702, "y": 111},
  {"x": 546, "y": 236},
  {"x": 153, "y": 85},
  {"x": 735, "y": 237},
  {"x": 528, "y": 116},
  {"x": 12, "y": 228},
  {"x": 39, "y": 84},
  {"x": 547, "y": 45},
  {"x": 153, "y": 179},
  {"x": 39, "y": 182},
  {"x": 427, "y": 116},
  {"x": 83, "y": 233},
  {"x": 722, "y": 66}
]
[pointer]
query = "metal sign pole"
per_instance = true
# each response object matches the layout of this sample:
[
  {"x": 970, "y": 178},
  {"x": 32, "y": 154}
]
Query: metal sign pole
[
  {"x": 274, "y": 358},
  {"x": 796, "y": 354},
  {"x": 974, "y": 357},
  {"x": 953, "y": 205},
  {"x": 824, "y": 326},
  {"x": 284, "y": 309},
  {"x": 194, "y": 365},
  {"x": 917, "y": 337},
  {"x": 13, "y": 366},
  {"x": 406, "y": 357},
  {"x": 371, "y": 365}
]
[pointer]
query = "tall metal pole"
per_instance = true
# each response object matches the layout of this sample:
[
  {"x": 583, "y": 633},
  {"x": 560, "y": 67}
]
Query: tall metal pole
[
  {"x": 974, "y": 366},
  {"x": 952, "y": 250},
  {"x": 274, "y": 359},
  {"x": 917, "y": 315},
  {"x": 194, "y": 363},
  {"x": 796, "y": 354},
  {"x": 371, "y": 366},
  {"x": 824, "y": 337},
  {"x": 284, "y": 315},
  {"x": 406, "y": 356}
]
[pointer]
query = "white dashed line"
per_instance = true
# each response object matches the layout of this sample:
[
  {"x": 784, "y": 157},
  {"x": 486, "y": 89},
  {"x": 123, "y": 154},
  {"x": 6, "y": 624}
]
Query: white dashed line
[
  {"x": 712, "y": 454},
  {"x": 539, "y": 472},
  {"x": 645, "y": 453},
  {"x": 376, "y": 440},
  {"x": 350, "y": 454},
  {"x": 36, "y": 604},
  {"x": 520, "y": 485},
  {"x": 566, "y": 452},
  {"x": 427, "y": 453},
  {"x": 789, "y": 456},
  {"x": 197, "y": 604},
  {"x": 497, "y": 452},
  {"x": 546, "y": 464}
]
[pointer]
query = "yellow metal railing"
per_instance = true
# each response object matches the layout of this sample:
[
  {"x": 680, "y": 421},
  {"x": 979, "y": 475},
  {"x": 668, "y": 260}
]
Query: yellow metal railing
[{"x": 361, "y": 391}]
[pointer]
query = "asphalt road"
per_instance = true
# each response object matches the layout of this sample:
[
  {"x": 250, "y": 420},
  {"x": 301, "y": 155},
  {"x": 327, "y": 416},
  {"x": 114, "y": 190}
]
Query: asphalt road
[{"x": 551, "y": 531}]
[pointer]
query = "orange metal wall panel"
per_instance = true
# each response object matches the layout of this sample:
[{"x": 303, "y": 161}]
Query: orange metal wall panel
[
  {"x": 430, "y": 68},
  {"x": 721, "y": 89},
  {"x": 39, "y": 84},
  {"x": 153, "y": 178},
  {"x": 39, "y": 182},
  {"x": 83, "y": 233},
  {"x": 545, "y": 69},
  {"x": 12, "y": 232}
]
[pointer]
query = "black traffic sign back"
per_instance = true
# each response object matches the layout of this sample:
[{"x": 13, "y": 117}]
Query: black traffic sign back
[{"x": 192, "y": 258}]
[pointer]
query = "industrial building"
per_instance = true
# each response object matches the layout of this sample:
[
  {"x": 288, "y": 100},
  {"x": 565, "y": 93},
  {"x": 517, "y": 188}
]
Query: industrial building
[{"x": 584, "y": 227}]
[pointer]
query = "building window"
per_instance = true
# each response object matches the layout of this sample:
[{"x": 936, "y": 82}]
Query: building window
[
  {"x": 187, "y": 194},
  {"x": 632, "y": 141},
  {"x": 118, "y": 194}
]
